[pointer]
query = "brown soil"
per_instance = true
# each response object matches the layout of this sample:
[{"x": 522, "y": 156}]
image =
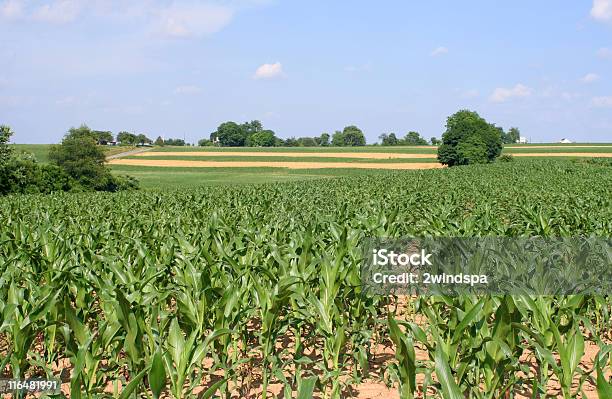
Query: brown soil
[
  {"x": 362, "y": 155},
  {"x": 289, "y": 165}
]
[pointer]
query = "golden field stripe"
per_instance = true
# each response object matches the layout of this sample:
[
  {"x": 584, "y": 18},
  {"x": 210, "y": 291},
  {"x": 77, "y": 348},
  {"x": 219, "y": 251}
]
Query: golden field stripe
[{"x": 289, "y": 165}]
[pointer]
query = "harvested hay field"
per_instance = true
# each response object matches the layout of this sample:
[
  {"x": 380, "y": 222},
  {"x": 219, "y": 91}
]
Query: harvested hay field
[{"x": 289, "y": 165}]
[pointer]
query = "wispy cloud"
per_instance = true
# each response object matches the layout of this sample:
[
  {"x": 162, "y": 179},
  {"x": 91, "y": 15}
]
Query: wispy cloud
[
  {"x": 502, "y": 94},
  {"x": 605, "y": 53},
  {"x": 590, "y": 78},
  {"x": 439, "y": 51},
  {"x": 602, "y": 10},
  {"x": 188, "y": 89},
  {"x": 58, "y": 11},
  {"x": 11, "y": 9},
  {"x": 269, "y": 71},
  {"x": 170, "y": 19},
  {"x": 194, "y": 19},
  {"x": 602, "y": 102}
]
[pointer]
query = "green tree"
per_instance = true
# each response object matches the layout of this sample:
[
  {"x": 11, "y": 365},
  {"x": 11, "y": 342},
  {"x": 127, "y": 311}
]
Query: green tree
[
  {"x": 469, "y": 139},
  {"x": 324, "y": 140},
  {"x": 414, "y": 138},
  {"x": 82, "y": 131},
  {"x": 388, "y": 139},
  {"x": 159, "y": 141},
  {"x": 252, "y": 127},
  {"x": 264, "y": 138},
  {"x": 513, "y": 136},
  {"x": 103, "y": 137},
  {"x": 435, "y": 141},
  {"x": 126, "y": 138},
  {"x": 6, "y": 151},
  {"x": 82, "y": 159},
  {"x": 175, "y": 142},
  {"x": 307, "y": 142},
  {"x": 353, "y": 136},
  {"x": 231, "y": 134},
  {"x": 338, "y": 139},
  {"x": 291, "y": 142},
  {"x": 143, "y": 139}
]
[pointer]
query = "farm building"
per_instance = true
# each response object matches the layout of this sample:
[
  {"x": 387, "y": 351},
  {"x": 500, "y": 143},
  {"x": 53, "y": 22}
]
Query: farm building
[
  {"x": 522, "y": 140},
  {"x": 565, "y": 141}
]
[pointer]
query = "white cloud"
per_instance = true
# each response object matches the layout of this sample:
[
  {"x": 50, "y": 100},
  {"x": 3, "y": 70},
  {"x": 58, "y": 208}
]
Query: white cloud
[
  {"x": 605, "y": 53},
  {"x": 11, "y": 9},
  {"x": 602, "y": 102},
  {"x": 189, "y": 89},
  {"x": 58, "y": 11},
  {"x": 269, "y": 71},
  {"x": 602, "y": 10},
  {"x": 439, "y": 51},
  {"x": 589, "y": 78},
  {"x": 194, "y": 19},
  {"x": 502, "y": 94}
]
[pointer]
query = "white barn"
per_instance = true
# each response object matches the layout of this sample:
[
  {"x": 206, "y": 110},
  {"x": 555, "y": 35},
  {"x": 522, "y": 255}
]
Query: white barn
[{"x": 566, "y": 141}]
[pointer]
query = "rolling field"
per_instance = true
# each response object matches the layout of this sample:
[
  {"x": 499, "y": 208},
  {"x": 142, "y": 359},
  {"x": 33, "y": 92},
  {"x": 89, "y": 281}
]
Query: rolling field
[
  {"x": 195, "y": 166},
  {"x": 215, "y": 166},
  {"x": 254, "y": 290}
]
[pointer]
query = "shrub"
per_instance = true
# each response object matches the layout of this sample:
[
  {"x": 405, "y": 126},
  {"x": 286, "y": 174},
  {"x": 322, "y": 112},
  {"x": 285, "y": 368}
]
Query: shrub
[
  {"x": 505, "y": 158},
  {"x": 469, "y": 139}
]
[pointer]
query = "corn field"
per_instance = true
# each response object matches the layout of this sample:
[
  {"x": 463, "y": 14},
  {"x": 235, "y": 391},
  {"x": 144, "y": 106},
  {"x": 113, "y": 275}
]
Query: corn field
[{"x": 226, "y": 291}]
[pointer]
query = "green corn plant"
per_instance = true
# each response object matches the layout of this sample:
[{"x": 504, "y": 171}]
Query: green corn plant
[
  {"x": 406, "y": 359},
  {"x": 184, "y": 356}
]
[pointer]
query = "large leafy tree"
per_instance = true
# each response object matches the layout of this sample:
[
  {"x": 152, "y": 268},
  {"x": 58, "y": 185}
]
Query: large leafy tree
[
  {"x": 231, "y": 134},
  {"x": 469, "y": 139},
  {"x": 264, "y": 138},
  {"x": 353, "y": 136},
  {"x": 337, "y": 139},
  {"x": 126, "y": 138},
  {"x": 80, "y": 156}
]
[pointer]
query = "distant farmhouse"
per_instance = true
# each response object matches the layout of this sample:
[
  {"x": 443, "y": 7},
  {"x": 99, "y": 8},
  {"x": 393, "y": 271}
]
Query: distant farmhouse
[
  {"x": 566, "y": 141},
  {"x": 522, "y": 140}
]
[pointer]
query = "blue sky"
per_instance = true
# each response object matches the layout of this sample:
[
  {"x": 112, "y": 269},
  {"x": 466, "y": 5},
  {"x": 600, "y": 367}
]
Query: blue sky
[{"x": 180, "y": 68}]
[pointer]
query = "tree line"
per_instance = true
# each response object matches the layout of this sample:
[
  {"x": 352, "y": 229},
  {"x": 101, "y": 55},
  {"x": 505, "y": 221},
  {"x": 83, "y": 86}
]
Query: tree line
[
  {"x": 103, "y": 137},
  {"x": 252, "y": 134}
]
